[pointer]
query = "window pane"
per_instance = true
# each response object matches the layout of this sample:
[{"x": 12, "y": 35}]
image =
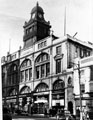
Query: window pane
[
  {"x": 22, "y": 76},
  {"x": 26, "y": 75},
  {"x": 58, "y": 66},
  {"x": 42, "y": 70},
  {"x": 82, "y": 88},
  {"x": 47, "y": 69},
  {"x": 30, "y": 74},
  {"x": 58, "y": 50},
  {"x": 37, "y": 72}
]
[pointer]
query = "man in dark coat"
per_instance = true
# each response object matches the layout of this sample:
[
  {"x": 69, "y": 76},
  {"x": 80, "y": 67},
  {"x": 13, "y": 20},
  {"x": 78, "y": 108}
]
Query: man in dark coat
[{"x": 6, "y": 114}]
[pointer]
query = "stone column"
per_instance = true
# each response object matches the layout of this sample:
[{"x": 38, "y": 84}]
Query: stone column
[
  {"x": 50, "y": 82},
  {"x": 66, "y": 98},
  {"x": 33, "y": 71}
]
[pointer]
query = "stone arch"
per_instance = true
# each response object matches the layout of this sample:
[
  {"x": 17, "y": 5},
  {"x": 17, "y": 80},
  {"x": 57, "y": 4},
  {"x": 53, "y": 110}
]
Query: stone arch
[
  {"x": 26, "y": 63},
  {"x": 42, "y": 65},
  {"x": 42, "y": 57},
  {"x": 58, "y": 84},
  {"x": 41, "y": 87},
  {"x": 25, "y": 89},
  {"x": 12, "y": 91},
  {"x": 13, "y": 67}
]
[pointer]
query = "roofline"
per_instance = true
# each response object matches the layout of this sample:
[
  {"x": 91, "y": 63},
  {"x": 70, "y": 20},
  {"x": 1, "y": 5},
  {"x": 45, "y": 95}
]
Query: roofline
[{"x": 79, "y": 41}]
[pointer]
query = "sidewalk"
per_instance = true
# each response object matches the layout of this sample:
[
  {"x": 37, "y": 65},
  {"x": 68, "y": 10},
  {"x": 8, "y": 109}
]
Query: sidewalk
[{"x": 32, "y": 116}]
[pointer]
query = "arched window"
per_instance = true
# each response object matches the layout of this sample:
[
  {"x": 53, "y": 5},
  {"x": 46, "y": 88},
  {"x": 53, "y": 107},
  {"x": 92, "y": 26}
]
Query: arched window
[
  {"x": 42, "y": 65},
  {"x": 26, "y": 63},
  {"x": 12, "y": 74},
  {"x": 59, "y": 84},
  {"x": 25, "y": 89},
  {"x": 69, "y": 81},
  {"x": 59, "y": 89},
  {"x": 41, "y": 87},
  {"x": 12, "y": 92},
  {"x": 26, "y": 70}
]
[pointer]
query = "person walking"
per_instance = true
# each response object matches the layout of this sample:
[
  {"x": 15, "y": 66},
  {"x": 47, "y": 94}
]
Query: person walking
[
  {"x": 6, "y": 114},
  {"x": 58, "y": 114}
]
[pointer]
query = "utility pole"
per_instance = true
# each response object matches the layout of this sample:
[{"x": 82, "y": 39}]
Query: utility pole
[
  {"x": 80, "y": 91},
  {"x": 78, "y": 64}
]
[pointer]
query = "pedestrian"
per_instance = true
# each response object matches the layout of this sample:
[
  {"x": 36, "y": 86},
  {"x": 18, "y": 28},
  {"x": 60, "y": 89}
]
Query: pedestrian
[
  {"x": 45, "y": 112},
  {"x": 58, "y": 114},
  {"x": 6, "y": 114}
]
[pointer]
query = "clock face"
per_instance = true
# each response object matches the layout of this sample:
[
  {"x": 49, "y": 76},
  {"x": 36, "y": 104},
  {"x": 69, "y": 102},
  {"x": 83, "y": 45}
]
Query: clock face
[
  {"x": 40, "y": 15},
  {"x": 33, "y": 15}
]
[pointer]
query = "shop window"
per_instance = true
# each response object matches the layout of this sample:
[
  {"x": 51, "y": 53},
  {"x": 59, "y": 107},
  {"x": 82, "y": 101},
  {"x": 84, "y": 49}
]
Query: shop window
[
  {"x": 41, "y": 87},
  {"x": 59, "y": 84}
]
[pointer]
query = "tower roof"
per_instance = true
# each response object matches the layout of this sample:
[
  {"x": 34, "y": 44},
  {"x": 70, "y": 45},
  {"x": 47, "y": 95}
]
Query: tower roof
[{"x": 37, "y": 8}]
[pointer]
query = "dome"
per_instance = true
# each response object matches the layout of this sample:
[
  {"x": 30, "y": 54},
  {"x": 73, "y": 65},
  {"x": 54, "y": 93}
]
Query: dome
[{"x": 37, "y": 8}]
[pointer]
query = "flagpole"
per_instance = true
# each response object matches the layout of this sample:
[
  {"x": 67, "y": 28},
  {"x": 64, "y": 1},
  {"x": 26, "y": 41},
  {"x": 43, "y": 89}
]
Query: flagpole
[
  {"x": 9, "y": 45},
  {"x": 65, "y": 21}
]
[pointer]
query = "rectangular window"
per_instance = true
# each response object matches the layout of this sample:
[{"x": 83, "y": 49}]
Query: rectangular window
[
  {"x": 42, "y": 71},
  {"x": 82, "y": 88},
  {"x": 22, "y": 76},
  {"x": 91, "y": 73},
  {"x": 26, "y": 75},
  {"x": 58, "y": 66},
  {"x": 37, "y": 72},
  {"x": 47, "y": 69},
  {"x": 15, "y": 77},
  {"x": 30, "y": 73},
  {"x": 81, "y": 53},
  {"x": 76, "y": 51},
  {"x": 58, "y": 50}
]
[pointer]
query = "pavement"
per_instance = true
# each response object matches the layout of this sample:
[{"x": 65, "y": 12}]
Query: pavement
[{"x": 33, "y": 116}]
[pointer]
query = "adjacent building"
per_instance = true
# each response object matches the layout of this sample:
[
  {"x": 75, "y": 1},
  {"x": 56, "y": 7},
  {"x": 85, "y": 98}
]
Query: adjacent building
[{"x": 40, "y": 75}]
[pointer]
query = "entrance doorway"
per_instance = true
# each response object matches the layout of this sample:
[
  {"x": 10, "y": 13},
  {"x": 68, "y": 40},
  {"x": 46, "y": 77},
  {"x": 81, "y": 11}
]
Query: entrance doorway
[{"x": 70, "y": 107}]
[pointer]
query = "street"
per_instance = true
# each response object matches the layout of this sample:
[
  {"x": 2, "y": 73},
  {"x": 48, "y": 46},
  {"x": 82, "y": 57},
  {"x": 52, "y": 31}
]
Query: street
[{"x": 32, "y": 118}]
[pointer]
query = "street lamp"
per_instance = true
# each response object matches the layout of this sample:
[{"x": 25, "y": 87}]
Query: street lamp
[{"x": 78, "y": 64}]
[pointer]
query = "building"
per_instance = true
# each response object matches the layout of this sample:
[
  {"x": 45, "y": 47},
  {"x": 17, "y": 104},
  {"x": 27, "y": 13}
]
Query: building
[
  {"x": 86, "y": 78},
  {"x": 42, "y": 69}
]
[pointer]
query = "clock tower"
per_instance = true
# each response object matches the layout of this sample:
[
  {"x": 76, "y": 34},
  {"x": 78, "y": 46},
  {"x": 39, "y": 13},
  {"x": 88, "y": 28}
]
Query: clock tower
[{"x": 36, "y": 28}]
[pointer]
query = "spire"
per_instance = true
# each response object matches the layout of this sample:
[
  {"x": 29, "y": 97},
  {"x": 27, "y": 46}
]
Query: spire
[{"x": 37, "y": 4}]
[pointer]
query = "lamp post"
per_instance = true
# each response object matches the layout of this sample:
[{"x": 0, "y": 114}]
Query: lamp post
[{"x": 78, "y": 64}]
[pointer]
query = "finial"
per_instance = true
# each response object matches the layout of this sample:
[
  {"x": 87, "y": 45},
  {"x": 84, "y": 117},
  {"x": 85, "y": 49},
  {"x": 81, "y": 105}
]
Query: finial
[{"x": 37, "y": 3}]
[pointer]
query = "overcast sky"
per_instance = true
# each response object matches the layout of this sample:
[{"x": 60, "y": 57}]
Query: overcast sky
[{"x": 13, "y": 14}]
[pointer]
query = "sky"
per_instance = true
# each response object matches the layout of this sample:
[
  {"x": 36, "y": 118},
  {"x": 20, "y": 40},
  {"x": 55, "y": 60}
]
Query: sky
[{"x": 14, "y": 13}]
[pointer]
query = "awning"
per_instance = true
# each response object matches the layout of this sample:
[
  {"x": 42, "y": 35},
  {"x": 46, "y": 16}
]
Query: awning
[{"x": 41, "y": 101}]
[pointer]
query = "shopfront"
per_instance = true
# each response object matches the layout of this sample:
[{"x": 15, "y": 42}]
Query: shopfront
[
  {"x": 58, "y": 95},
  {"x": 41, "y": 99}
]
